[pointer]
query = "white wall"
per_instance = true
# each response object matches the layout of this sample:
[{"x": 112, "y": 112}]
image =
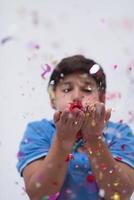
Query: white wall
[{"x": 102, "y": 30}]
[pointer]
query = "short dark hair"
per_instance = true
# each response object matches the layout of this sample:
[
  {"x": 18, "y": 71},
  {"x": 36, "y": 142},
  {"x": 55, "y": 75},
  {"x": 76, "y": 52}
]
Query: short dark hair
[{"x": 77, "y": 63}]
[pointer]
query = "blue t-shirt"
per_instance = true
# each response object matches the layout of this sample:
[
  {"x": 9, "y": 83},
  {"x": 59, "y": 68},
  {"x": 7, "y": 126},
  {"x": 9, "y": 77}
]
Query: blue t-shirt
[{"x": 37, "y": 141}]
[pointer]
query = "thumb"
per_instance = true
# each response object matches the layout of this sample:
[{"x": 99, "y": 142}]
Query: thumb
[{"x": 57, "y": 116}]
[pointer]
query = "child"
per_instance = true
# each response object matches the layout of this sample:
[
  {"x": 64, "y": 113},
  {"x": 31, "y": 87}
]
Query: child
[{"x": 79, "y": 155}]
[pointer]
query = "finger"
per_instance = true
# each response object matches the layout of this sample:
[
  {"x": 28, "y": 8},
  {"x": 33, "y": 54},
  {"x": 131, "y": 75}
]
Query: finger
[
  {"x": 108, "y": 114},
  {"x": 75, "y": 118},
  {"x": 57, "y": 116},
  {"x": 65, "y": 116}
]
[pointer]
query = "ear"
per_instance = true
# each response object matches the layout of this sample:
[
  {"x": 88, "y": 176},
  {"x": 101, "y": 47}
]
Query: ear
[{"x": 53, "y": 104}]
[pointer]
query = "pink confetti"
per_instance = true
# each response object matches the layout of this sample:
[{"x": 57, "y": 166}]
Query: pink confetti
[
  {"x": 115, "y": 66},
  {"x": 33, "y": 45},
  {"x": 20, "y": 154},
  {"x": 48, "y": 69},
  {"x": 113, "y": 95},
  {"x": 131, "y": 116}
]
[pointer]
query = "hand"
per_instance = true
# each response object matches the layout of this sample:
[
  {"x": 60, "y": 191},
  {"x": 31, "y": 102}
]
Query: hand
[
  {"x": 95, "y": 119},
  {"x": 68, "y": 123}
]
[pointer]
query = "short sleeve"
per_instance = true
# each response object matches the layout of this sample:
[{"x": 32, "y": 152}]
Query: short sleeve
[
  {"x": 35, "y": 143},
  {"x": 122, "y": 144}
]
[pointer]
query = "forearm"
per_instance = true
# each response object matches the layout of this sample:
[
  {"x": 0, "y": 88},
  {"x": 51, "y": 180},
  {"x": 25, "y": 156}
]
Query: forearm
[
  {"x": 50, "y": 176},
  {"x": 108, "y": 173}
]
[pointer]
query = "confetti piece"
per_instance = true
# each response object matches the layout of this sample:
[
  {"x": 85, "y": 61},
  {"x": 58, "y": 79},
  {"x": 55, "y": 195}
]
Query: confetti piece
[
  {"x": 52, "y": 82},
  {"x": 62, "y": 75},
  {"x": 113, "y": 95},
  {"x": 116, "y": 184},
  {"x": 129, "y": 134},
  {"x": 54, "y": 196},
  {"x": 33, "y": 46},
  {"x": 111, "y": 171},
  {"x": 6, "y": 39},
  {"x": 45, "y": 198},
  {"x": 69, "y": 157},
  {"x": 101, "y": 193},
  {"x": 118, "y": 158},
  {"x": 94, "y": 69},
  {"x": 115, "y": 66},
  {"x": 48, "y": 69},
  {"x": 38, "y": 185},
  {"x": 68, "y": 191},
  {"x": 123, "y": 147},
  {"x": 116, "y": 196},
  {"x": 90, "y": 178},
  {"x": 121, "y": 121},
  {"x": 20, "y": 154}
]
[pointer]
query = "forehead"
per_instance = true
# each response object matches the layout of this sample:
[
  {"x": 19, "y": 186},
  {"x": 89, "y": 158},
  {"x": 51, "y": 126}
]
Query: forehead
[{"x": 75, "y": 78}]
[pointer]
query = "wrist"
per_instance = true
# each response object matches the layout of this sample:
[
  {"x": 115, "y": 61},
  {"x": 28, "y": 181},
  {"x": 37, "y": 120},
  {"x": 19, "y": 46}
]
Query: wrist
[
  {"x": 64, "y": 145},
  {"x": 92, "y": 140}
]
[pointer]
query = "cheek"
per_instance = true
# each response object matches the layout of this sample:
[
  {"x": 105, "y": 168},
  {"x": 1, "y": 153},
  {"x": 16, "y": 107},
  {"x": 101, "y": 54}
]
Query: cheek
[{"x": 63, "y": 102}]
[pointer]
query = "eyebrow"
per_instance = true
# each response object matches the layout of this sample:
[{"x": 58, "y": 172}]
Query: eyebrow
[{"x": 70, "y": 83}]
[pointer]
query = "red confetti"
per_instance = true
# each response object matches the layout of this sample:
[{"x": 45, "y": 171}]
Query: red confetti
[
  {"x": 69, "y": 157},
  {"x": 90, "y": 178},
  {"x": 118, "y": 158}
]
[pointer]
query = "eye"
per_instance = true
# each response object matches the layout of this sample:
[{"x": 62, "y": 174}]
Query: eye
[
  {"x": 89, "y": 90},
  {"x": 66, "y": 90}
]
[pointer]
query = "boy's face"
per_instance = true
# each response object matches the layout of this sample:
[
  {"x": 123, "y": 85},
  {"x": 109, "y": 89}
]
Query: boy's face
[{"x": 75, "y": 88}]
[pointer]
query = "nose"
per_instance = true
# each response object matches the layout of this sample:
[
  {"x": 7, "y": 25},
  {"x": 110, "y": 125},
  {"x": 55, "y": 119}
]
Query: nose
[{"x": 76, "y": 95}]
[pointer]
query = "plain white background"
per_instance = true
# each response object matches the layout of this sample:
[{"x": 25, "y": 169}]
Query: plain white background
[{"x": 33, "y": 33}]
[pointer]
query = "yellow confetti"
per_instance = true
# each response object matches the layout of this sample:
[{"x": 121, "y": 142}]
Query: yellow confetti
[{"x": 116, "y": 196}]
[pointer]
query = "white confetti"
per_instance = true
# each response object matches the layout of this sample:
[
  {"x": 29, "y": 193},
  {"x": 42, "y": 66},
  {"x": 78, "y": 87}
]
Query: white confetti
[{"x": 94, "y": 69}]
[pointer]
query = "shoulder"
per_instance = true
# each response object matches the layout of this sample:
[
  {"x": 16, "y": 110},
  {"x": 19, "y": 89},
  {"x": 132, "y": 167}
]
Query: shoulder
[
  {"x": 40, "y": 128},
  {"x": 117, "y": 130}
]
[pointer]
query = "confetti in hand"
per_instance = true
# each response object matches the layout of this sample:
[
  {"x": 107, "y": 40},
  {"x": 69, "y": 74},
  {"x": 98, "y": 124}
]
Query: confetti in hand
[{"x": 48, "y": 69}]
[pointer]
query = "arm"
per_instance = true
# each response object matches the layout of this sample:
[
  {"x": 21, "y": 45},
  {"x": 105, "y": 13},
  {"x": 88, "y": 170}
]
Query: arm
[
  {"x": 46, "y": 176},
  {"x": 114, "y": 177}
]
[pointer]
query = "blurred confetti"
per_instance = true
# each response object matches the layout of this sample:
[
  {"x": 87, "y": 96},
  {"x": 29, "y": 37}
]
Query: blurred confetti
[
  {"x": 6, "y": 39},
  {"x": 48, "y": 69}
]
